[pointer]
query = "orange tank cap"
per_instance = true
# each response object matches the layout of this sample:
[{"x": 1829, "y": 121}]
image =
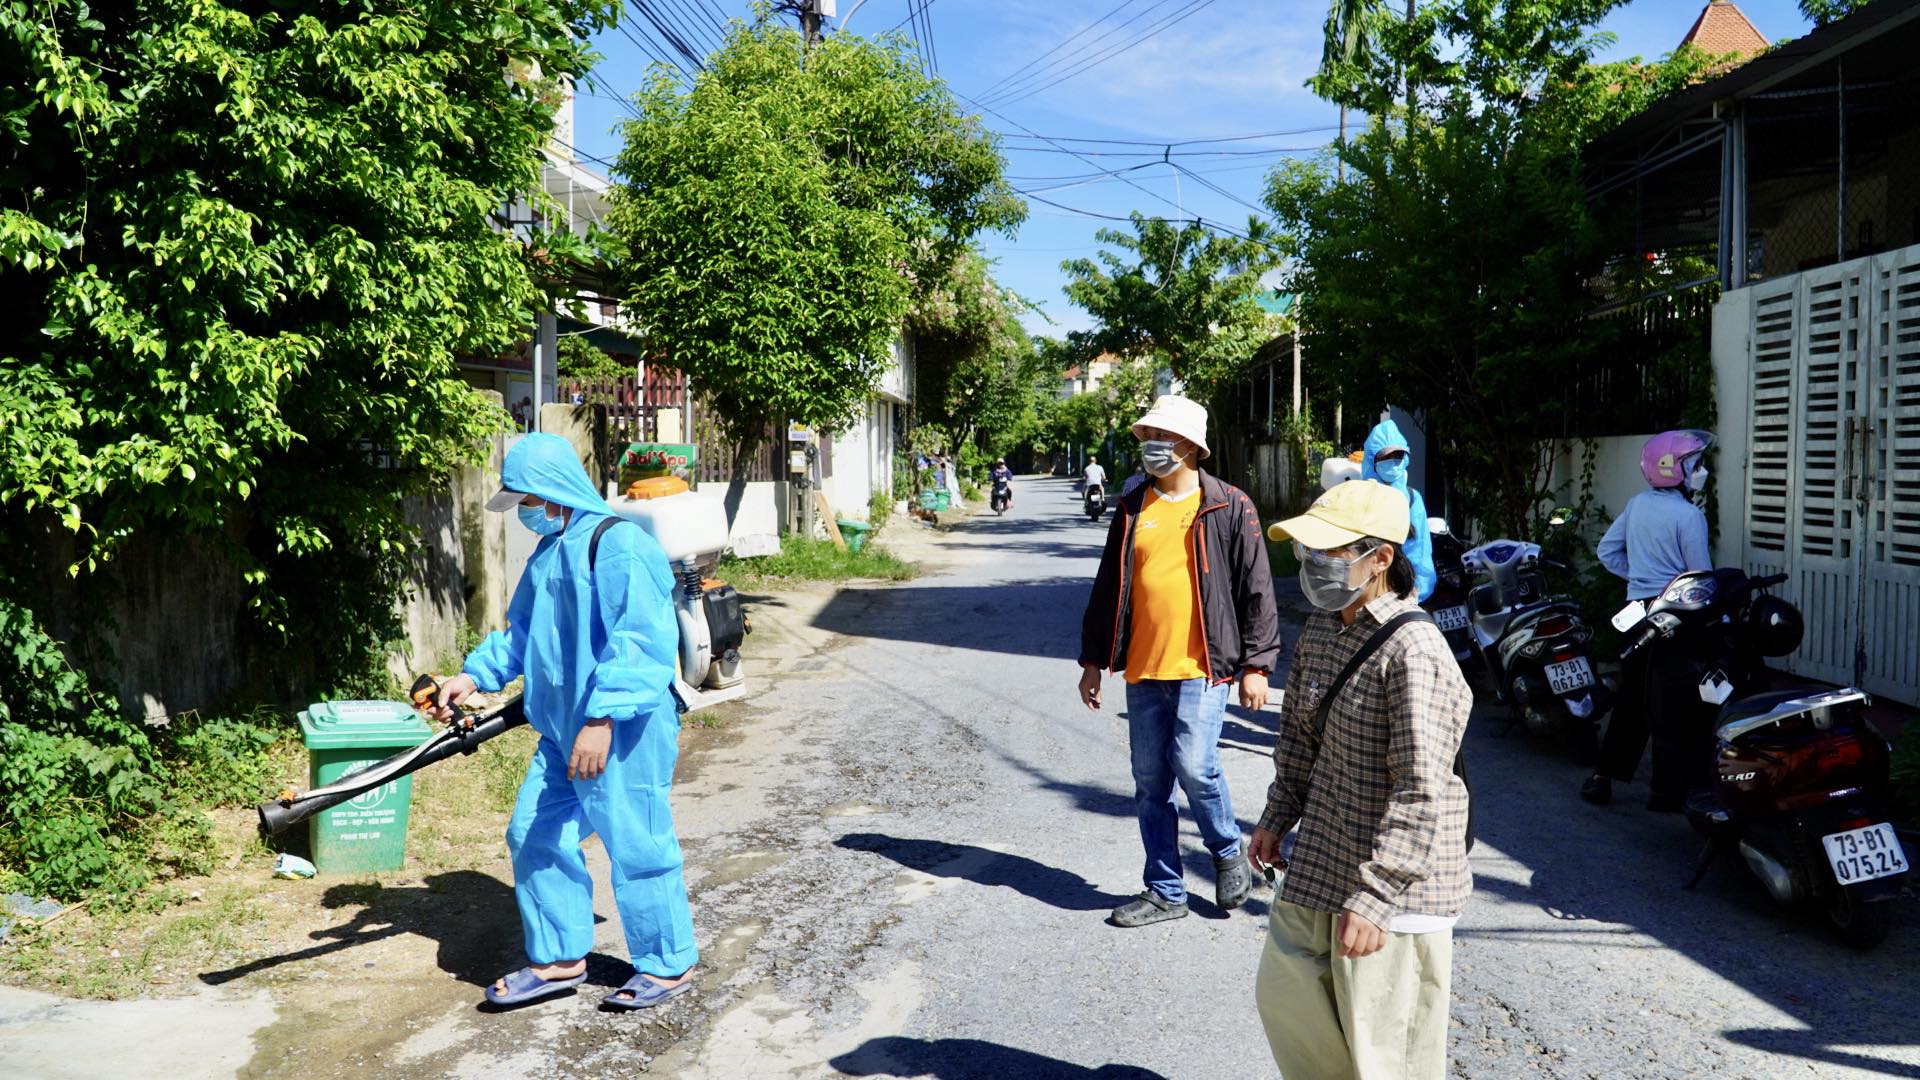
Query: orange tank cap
[{"x": 656, "y": 487}]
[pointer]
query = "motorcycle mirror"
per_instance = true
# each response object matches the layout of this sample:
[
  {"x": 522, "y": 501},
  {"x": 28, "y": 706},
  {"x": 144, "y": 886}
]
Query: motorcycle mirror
[
  {"x": 1438, "y": 526},
  {"x": 1561, "y": 515}
]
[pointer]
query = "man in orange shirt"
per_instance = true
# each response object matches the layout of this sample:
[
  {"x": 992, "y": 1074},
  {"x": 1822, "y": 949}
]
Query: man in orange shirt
[{"x": 1183, "y": 606}]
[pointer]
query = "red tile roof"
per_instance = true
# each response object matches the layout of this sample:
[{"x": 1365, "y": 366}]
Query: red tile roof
[{"x": 1722, "y": 28}]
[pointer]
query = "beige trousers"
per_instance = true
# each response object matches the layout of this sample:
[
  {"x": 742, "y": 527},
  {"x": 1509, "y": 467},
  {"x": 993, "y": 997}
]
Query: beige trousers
[{"x": 1378, "y": 1017}]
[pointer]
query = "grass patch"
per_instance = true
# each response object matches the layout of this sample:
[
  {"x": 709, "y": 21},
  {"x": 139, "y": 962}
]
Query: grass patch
[{"x": 815, "y": 560}]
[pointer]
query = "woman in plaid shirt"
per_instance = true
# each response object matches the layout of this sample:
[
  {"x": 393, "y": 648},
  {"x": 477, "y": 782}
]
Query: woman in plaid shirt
[{"x": 1354, "y": 980}]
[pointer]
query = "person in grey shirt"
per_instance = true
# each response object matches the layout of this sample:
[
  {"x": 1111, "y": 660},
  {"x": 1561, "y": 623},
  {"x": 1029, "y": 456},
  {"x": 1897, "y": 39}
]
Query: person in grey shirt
[{"x": 1659, "y": 536}]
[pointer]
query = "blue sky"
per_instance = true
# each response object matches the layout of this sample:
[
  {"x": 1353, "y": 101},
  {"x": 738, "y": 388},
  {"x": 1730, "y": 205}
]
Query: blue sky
[{"x": 1228, "y": 68}]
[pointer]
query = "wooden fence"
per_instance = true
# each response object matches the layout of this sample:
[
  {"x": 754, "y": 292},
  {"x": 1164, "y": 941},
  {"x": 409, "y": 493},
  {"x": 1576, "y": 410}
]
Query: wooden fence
[{"x": 633, "y": 415}]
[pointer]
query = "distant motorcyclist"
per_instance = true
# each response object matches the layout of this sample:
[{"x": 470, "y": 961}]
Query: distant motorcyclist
[
  {"x": 1093, "y": 475},
  {"x": 1003, "y": 477},
  {"x": 1659, "y": 536}
]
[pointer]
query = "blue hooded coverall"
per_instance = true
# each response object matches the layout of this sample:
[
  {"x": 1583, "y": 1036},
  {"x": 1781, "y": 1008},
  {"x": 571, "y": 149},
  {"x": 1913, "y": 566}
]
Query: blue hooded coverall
[
  {"x": 592, "y": 643},
  {"x": 1419, "y": 546}
]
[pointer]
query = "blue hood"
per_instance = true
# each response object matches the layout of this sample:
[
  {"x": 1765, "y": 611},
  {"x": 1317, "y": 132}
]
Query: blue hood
[
  {"x": 545, "y": 465},
  {"x": 1385, "y": 434}
]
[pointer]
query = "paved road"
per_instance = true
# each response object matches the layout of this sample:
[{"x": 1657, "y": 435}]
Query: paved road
[
  {"x": 949, "y": 829},
  {"x": 903, "y": 849}
]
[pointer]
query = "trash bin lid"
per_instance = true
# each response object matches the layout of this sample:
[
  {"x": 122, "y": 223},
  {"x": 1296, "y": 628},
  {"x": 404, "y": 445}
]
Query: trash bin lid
[{"x": 330, "y": 724}]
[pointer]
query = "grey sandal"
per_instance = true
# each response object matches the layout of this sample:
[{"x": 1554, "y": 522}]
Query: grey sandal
[
  {"x": 1145, "y": 910},
  {"x": 1232, "y": 880}
]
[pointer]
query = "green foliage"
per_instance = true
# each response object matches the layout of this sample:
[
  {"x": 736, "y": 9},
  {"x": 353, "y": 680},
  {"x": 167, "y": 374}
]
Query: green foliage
[
  {"x": 977, "y": 375},
  {"x": 581, "y": 359},
  {"x": 880, "y": 510},
  {"x": 779, "y": 218},
  {"x": 1823, "y": 12},
  {"x": 1184, "y": 295},
  {"x": 93, "y": 804},
  {"x": 242, "y": 248},
  {"x": 811, "y": 559},
  {"x": 1906, "y": 774},
  {"x": 1450, "y": 268}
]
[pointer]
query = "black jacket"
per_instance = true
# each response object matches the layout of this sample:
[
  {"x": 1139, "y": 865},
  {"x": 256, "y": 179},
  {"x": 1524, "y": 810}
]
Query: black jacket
[{"x": 1239, "y": 621}]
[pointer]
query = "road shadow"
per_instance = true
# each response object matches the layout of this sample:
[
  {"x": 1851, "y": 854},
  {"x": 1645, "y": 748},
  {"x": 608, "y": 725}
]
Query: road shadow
[
  {"x": 1597, "y": 870},
  {"x": 970, "y": 1059},
  {"x": 471, "y": 915},
  {"x": 994, "y": 869},
  {"x": 1024, "y": 618}
]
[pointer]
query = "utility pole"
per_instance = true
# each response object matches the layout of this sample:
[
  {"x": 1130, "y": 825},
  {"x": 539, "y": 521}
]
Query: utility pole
[{"x": 811, "y": 12}]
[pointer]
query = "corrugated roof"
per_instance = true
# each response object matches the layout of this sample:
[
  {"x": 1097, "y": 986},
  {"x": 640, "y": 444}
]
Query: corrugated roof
[{"x": 1723, "y": 28}]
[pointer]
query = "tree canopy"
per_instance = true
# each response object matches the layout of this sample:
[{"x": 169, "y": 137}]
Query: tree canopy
[
  {"x": 241, "y": 248},
  {"x": 1823, "y": 12},
  {"x": 1452, "y": 266},
  {"x": 778, "y": 220},
  {"x": 1182, "y": 294}
]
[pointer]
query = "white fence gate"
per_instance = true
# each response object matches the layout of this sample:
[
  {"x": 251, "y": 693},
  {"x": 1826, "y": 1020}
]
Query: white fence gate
[{"x": 1833, "y": 477}]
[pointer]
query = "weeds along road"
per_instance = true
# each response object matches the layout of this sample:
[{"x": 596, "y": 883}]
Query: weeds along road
[{"x": 903, "y": 846}]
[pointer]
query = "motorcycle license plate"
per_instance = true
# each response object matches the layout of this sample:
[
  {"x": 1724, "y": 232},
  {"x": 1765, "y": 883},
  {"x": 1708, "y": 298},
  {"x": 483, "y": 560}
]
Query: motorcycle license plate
[
  {"x": 1452, "y": 618},
  {"x": 1864, "y": 854},
  {"x": 1575, "y": 674}
]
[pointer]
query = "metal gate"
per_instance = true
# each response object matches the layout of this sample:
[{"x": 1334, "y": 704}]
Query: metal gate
[{"x": 1833, "y": 481}]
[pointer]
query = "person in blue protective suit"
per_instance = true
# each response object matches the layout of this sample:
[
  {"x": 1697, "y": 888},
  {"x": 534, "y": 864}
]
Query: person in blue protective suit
[
  {"x": 597, "y": 646},
  {"x": 1386, "y": 460}
]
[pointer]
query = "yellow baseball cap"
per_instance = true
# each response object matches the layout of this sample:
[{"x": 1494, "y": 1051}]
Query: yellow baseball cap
[{"x": 1348, "y": 513}]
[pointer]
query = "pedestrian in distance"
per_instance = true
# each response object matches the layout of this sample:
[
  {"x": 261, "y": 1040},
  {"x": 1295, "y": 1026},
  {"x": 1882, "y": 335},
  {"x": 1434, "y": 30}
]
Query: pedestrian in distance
[
  {"x": 1659, "y": 536},
  {"x": 592, "y": 628},
  {"x": 1183, "y": 606},
  {"x": 1354, "y": 977},
  {"x": 1387, "y": 458}
]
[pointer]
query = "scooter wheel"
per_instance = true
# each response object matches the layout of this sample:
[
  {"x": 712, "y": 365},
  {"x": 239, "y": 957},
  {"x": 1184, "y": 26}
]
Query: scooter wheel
[{"x": 1860, "y": 923}]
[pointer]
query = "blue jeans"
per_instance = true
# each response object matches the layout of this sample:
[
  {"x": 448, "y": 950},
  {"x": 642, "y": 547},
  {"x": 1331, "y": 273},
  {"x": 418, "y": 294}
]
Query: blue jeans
[{"x": 1175, "y": 731}]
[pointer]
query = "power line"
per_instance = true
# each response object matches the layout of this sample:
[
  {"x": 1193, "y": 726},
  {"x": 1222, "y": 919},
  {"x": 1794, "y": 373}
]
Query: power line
[
  {"x": 1075, "y": 36},
  {"x": 910, "y": 11},
  {"x": 694, "y": 26},
  {"x": 926, "y": 20},
  {"x": 666, "y": 33},
  {"x": 1202, "y": 222},
  {"x": 1117, "y": 32},
  {"x": 1008, "y": 98},
  {"x": 1191, "y": 142},
  {"x": 664, "y": 57}
]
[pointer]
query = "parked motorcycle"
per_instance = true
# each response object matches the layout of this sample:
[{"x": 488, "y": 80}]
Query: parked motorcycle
[
  {"x": 1534, "y": 647},
  {"x": 1002, "y": 495},
  {"x": 1448, "y": 604},
  {"x": 1096, "y": 501},
  {"x": 1799, "y": 778}
]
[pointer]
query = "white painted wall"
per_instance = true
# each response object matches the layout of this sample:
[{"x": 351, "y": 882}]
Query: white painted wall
[
  {"x": 1733, "y": 405},
  {"x": 862, "y": 460}
]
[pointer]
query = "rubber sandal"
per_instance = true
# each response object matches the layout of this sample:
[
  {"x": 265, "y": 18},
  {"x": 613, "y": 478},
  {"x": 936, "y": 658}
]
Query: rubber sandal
[
  {"x": 646, "y": 993},
  {"x": 1232, "y": 881},
  {"x": 1145, "y": 910},
  {"x": 524, "y": 987}
]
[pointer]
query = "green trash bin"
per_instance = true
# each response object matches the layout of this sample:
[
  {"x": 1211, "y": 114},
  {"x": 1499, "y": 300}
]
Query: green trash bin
[
  {"x": 368, "y": 832},
  {"x": 854, "y": 533}
]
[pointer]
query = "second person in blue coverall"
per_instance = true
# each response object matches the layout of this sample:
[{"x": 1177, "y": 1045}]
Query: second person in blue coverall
[
  {"x": 597, "y": 645},
  {"x": 1385, "y": 439}
]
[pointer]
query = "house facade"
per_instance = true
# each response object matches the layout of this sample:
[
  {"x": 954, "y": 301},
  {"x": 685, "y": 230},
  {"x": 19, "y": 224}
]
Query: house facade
[{"x": 1792, "y": 184}]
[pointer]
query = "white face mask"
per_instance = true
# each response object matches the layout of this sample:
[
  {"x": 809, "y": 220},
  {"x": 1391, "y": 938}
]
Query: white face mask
[{"x": 1697, "y": 479}]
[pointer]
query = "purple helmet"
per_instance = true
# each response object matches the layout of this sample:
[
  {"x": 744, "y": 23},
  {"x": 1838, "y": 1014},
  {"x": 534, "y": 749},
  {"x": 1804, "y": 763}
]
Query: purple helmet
[{"x": 1665, "y": 461}]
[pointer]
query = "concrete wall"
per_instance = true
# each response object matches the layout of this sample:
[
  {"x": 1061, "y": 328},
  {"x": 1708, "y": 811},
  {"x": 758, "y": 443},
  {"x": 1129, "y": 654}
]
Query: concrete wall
[{"x": 862, "y": 460}]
